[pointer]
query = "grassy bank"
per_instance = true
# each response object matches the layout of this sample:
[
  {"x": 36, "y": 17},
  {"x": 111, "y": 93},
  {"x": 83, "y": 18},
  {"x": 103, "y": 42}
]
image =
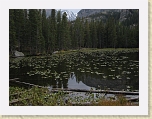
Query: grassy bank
[
  {"x": 91, "y": 50},
  {"x": 42, "y": 97}
]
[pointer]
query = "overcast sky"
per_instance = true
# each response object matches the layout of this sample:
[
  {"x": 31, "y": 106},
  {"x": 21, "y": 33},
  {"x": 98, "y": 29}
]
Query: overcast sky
[{"x": 73, "y": 10}]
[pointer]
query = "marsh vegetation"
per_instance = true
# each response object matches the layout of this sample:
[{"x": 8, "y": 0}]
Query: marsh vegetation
[{"x": 89, "y": 69}]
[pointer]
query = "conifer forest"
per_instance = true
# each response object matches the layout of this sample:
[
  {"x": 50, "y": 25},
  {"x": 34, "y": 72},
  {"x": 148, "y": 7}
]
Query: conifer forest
[{"x": 32, "y": 31}]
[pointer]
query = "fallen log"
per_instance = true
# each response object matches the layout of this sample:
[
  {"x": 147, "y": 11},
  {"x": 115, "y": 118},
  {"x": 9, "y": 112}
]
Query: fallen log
[
  {"x": 98, "y": 91},
  {"x": 82, "y": 104},
  {"x": 133, "y": 99},
  {"x": 28, "y": 84},
  {"x": 13, "y": 79}
]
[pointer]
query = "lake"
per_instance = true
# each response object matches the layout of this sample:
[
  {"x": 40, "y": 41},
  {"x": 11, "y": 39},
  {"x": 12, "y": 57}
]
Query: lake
[{"x": 113, "y": 70}]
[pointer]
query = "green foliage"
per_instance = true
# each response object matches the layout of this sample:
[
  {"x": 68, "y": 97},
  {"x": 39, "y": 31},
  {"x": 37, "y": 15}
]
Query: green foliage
[
  {"x": 87, "y": 39},
  {"x": 65, "y": 34},
  {"x": 36, "y": 96},
  {"x": 32, "y": 32},
  {"x": 12, "y": 31},
  {"x": 59, "y": 30},
  {"x": 53, "y": 27}
]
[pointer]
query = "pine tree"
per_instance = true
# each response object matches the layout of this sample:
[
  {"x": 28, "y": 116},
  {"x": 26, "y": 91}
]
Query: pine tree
[
  {"x": 76, "y": 32},
  {"x": 33, "y": 30},
  {"x": 59, "y": 30},
  {"x": 45, "y": 29},
  {"x": 110, "y": 32},
  {"x": 26, "y": 34},
  {"x": 93, "y": 34},
  {"x": 12, "y": 31},
  {"x": 87, "y": 39},
  {"x": 65, "y": 36},
  {"x": 40, "y": 38},
  {"x": 53, "y": 27},
  {"x": 72, "y": 36},
  {"x": 114, "y": 36},
  {"x": 100, "y": 34},
  {"x": 137, "y": 35},
  {"x": 95, "y": 40},
  {"x": 81, "y": 32},
  {"x": 19, "y": 26}
]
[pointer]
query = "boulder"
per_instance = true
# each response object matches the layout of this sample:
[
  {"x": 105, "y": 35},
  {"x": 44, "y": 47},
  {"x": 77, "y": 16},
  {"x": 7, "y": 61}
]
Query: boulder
[
  {"x": 18, "y": 54},
  {"x": 55, "y": 52}
]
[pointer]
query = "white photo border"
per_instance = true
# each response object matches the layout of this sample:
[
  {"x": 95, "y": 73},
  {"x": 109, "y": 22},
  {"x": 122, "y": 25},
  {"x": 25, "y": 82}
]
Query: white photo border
[{"x": 142, "y": 109}]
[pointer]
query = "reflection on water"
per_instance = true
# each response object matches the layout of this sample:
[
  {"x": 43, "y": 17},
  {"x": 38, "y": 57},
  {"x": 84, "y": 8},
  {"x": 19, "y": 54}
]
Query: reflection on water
[
  {"x": 73, "y": 84},
  {"x": 119, "y": 71}
]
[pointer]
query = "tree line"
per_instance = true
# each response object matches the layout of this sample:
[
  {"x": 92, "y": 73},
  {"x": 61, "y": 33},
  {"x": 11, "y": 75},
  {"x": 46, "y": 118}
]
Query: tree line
[{"x": 32, "y": 32}]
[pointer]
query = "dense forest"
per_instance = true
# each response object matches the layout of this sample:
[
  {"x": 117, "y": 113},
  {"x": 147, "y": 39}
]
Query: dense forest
[{"x": 32, "y": 32}]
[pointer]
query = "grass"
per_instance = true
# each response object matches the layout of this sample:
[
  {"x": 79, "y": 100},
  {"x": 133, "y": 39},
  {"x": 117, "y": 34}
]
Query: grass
[
  {"x": 91, "y": 50},
  {"x": 42, "y": 97}
]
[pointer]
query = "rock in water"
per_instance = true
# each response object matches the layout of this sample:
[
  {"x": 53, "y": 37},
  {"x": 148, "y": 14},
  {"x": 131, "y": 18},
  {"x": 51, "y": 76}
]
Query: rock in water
[{"x": 18, "y": 54}]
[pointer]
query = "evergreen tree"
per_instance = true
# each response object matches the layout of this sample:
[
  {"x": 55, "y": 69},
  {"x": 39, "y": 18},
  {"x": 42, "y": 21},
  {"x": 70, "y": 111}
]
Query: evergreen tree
[
  {"x": 45, "y": 29},
  {"x": 110, "y": 33},
  {"x": 72, "y": 36},
  {"x": 137, "y": 35},
  {"x": 100, "y": 34},
  {"x": 53, "y": 27},
  {"x": 33, "y": 30},
  {"x": 81, "y": 31},
  {"x": 114, "y": 36},
  {"x": 65, "y": 36},
  {"x": 119, "y": 33},
  {"x": 26, "y": 34},
  {"x": 19, "y": 26},
  {"x": 76, "y": 32},
  {"x": 87, "y": 39},
  {"x": 40, "y": 38},
  {"x": 94, "y": 40},
  {"x": 93, "y": 30},
  {"x": 12, "y": 31},
  {"x": 59, "y": 30}
]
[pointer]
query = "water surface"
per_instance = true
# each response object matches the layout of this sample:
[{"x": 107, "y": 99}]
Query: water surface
[{"x": 114, "y": 71}]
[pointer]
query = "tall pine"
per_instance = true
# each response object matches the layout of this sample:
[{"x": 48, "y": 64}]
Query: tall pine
[{"x": 53, "y": 27}]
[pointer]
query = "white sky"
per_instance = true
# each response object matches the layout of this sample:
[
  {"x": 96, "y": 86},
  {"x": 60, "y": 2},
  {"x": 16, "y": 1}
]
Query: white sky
[{"x": 73, "y": 10}]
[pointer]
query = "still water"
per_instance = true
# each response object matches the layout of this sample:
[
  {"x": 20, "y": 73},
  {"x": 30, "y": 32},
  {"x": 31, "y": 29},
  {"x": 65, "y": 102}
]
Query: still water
[{"x": 114, "y": 71}]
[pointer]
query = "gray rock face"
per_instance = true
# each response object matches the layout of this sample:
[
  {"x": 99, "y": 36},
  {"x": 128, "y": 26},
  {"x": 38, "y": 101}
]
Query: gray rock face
[
  {"x": 85, "y": 13},
  {"x": 18, "y": 54},
  {"x": 123, "y": 14}
]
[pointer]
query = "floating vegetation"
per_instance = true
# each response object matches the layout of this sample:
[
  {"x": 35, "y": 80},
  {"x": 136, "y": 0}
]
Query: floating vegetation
[
  {"x": 104, "y": 77},
  {"x": 104, "y": 67}
]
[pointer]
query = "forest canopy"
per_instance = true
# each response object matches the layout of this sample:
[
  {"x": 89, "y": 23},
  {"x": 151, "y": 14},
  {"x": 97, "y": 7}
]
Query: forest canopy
[{"x": 32, "y": 32}]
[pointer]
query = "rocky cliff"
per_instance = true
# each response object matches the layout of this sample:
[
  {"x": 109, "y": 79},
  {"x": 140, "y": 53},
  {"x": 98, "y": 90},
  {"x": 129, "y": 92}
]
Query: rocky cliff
[{"x": 121, "y": 14}]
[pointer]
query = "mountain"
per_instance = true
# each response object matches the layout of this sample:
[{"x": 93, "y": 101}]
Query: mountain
[
  {"x": 70, "y": 15},
  {"x": 48, "y": 12},
  {"x": 119, "y": 14}
]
